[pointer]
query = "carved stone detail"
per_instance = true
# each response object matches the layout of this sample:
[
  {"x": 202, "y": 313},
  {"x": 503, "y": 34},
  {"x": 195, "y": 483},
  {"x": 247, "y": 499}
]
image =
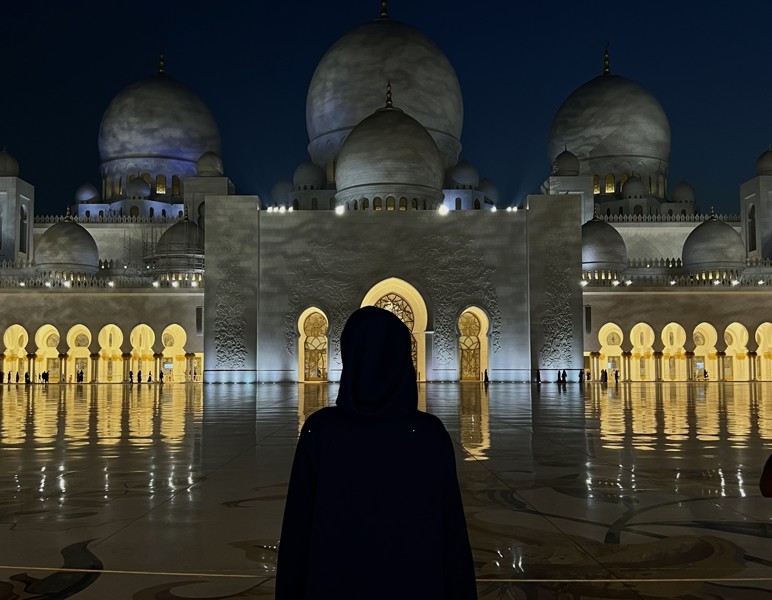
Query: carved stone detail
[
  {"x": 230, "y": 325},
  {"x": 557, "y": 321}
]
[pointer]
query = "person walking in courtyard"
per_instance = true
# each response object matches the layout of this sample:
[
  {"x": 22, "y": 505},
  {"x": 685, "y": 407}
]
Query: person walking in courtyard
[
  {"x": 139, "y": 376},
  {"x": 131, "y": 377},
  {"x": 373, "y": 506}
]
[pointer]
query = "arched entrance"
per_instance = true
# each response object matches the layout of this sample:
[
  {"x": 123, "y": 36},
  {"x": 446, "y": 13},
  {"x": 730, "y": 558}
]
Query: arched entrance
[
  {"x": 764, "y": 360},
  {"x": 402, "y": 299},
  {"x": 674, "y": 354},
  {"x": 313, "y": 327},
  {"x": 736, "y": 359},
  {"x": 110, "y": 366},
  {"x": 142, "y": 339},
  {"x": 473, "y": 325},
  {"x": 47, "y": 353},
  {"x": 15, "y": 340},
  {"x": 173, "y": 363},
  {"x": 610, "y": 338},
  {"x": 78, "y": 354},
  {"x": 705, "y": 337},
  {"x": 642, "y": 362}
]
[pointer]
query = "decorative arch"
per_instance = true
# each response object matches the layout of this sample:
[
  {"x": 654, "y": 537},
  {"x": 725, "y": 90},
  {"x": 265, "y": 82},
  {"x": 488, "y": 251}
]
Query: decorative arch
[
  {"x": 473, "y": 330},
  {"x": 173, "y": 364},
  {"x": 764, "y": 352},
  {"x": 78, "y": 352},
  {"x": 610, "y": 337},
  {"x": 610, "y": 186},
  {"x": 642, "y": 362},
  {"x": 142, "y": 338},
  {"x": 736, "y": 360},
  {"x": 387, "y": 294},
  {"x": 313, "y": 345},
  {"x": 674, "y": 366},
  {"x": 110, "y": 365},
  {"x": 15, "y": 341},
  {"x": 705, "y": 338},
  {"x": 47, "y": 353}
]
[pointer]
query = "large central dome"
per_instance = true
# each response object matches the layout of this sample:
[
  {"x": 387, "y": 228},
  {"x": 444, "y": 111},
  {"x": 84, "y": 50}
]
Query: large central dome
[{"x": 349, "y": 80}]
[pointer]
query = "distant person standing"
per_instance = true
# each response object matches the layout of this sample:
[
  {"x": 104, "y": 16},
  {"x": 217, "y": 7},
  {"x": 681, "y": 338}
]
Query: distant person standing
[
  {"x": 139, "y": 376},
  {"x": 373, "y": 507},
  {"x": 131, "y": 376}
]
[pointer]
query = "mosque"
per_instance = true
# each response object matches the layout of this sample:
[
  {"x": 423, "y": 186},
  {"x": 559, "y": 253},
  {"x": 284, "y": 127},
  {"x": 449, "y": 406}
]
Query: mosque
[{"x": 164, "y": 269}]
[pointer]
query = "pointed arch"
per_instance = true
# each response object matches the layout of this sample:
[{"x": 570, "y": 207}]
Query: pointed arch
[
  {"x": 313, "y": 345},
  {"x": 473, "y": 330},
  {"x": 15, "y": 341},
  {"x": 736, "y": 359},
  {"x": 674, "y": 366},
  {"x": 642, "y": 364},
  {"x": 47, "y": 352},
  {"x": 705, "y": 339},
  {"x": 610, "y": 337},
  {"x": 173, "y": 364},
  {"x": 764, "y": 353},
  {"x": 110, "y": 365},
  {"x": 142, "y": 338},
  {"x": 78, "y": 352}
]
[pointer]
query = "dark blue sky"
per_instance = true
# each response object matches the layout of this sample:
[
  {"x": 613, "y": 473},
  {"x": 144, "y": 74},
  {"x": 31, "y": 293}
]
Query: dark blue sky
[{"x": 251, "y": 62}]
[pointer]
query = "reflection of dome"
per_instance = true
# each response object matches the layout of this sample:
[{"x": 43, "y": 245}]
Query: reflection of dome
[
  {"x": 157, "y": 117},
  {"x": 346, "y": 87},
  {"x": 137, "y": 188},
  {"x": 464, "y": 175},
  {"x": 683, "y": 193},
  {"x": 9, "y": 166},
  {"x": 489, "y": 190},
  {"x": 633, "y": 189},
  {"x": 389, "y": 147},
  {"x": 602, "y": 247},
  {"x": 764, "y": 163},
  {"x": 713, "y": 245},
  {"x": 209, "y": 165},
  {"x": 280, "y": 193},
  {"x": 566, "y": 164},
  {"x": 86, "y": 193},
  {"x": 308, "y": 176},
  {"x": 611, "y": 117},
  {"x": 67, "y": 247}
]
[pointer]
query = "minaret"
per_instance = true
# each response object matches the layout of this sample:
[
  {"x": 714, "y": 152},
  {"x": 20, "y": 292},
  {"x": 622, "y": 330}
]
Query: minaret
[
  {"x": 606, "y": 67},
  {"x": 389, "y": 103},
  {"x": 161, "y": 66},
  {"x": 384, "y": 9}
]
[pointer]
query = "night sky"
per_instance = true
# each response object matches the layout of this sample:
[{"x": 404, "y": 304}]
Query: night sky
[{"x": 251, "y": 62}]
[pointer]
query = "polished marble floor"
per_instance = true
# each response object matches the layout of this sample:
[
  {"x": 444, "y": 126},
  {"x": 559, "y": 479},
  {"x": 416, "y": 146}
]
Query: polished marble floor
[{"x": 169, "y": 492}]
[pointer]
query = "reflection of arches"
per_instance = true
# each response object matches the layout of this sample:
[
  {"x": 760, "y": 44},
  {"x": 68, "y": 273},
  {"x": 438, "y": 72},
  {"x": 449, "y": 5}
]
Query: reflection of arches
[
  {"x": 473, "y": 325},
  {"x": 173, "y": 363},
  {"x": 642, "y": 361},
  {"x": 674, "y": 354},
  {"x": 378, "y": 296},
  {"x": 110, "y": 366},
  {"x": 312, "y": 345},
  {"x": 47, "y": 352},
  {"x": 78, "y": 353},
  {"x": 705, "y": 338},
  {"x": 142, "y": 339},
  {"x": 736, "y": 359},
  {"x": 610, "y": 337},
  {"x": 764, "y": 352},
  {"x": 15, "y": 340}
]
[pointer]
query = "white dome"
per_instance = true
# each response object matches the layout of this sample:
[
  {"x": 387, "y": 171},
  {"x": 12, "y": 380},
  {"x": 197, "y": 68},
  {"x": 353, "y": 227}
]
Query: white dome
[
  {"x": 683, "y": 193},
  {"x": 489, "y": 190},
  {"x": 464, "y": 175},
  {"x": 280, "y": 193},
  {"x": 86, "y": 193},
  {"x": 602, "y": 247},
  {"x": 713, "y": 245},
  {"x": 67, "y": 247},
  {"x": 389, "y": 147},
  {"x": 348, "y": 82},
  {"x": 634, "y": 188},
  {"x": 9, "y": 166},
  {"x": 764, "y": 163},
  {"x": 209, "y": 165},
  {"x": 137, "y": 188},
  {"x": 308, "y": 176},
  {"x": 566, "y": 164}
]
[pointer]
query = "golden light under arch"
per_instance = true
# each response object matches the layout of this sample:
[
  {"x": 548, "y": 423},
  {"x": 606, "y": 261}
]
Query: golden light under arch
[
  {"x": 47, "y": 342},
  {"x": 409, "y": 294},
  {"x": 110, "y": 367},
  {"x": 302, "y": 338},
  {"x": 173, "y": 340},
  {"x": 78, "y": 352},
  {"x": 485, "y": 326}
]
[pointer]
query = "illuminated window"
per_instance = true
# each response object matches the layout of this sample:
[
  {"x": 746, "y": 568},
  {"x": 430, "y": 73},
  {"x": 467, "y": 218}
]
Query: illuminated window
[
  {"x": 315, "y": 347},
  {"x": 403, "y": 204},
  {"x": 377, "y": 204},
  {"x": 398, "y": 306},
  {"x": 389, "y": 203},
  {"x": 160, "y": 184},
  {"x": 365, "y": 204},
  {"x": 469, "y": 346},
  {"x": 610, "y": 183},
  {"x": 595, "y": 184},
  {"x": 175, "y": 185}
]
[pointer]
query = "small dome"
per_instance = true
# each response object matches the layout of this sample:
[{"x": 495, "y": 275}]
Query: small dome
[
  {"x": 566, "y": 164},
  {"x": 464, "y": 175},
  {"x": 713, "y": 245},
  {"x": 489, "y": 190},
  {"x": 308, "y": 176},
  {"x": 389, "y": 147},
  {"x": 634, "y": 188},
  {"x": 183, "y": 238},
  {"x": 86, "y": 193},
  {"x": 9, "y": 166},
  {"x": 209, "y": 165},
  {"x": 683, "y": 193},
  {"x": 280, "y": 193},
  {"x": 602, "y": 247},
  {"x": 137, "y": 188},
  {"x": 67, "y": 247},
  {"x": 764, "y": 163}
]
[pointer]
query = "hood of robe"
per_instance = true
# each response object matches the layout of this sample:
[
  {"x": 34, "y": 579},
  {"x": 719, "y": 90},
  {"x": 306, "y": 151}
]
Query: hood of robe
[{"x": 378, "y": 379}]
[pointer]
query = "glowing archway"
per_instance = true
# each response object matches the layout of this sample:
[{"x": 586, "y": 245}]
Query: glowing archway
[
  {"x": 473, "y": 329},
  {"x": 736, "y": 359},
  {"x": 642, "y": 362},
  {"x": 674, "y": 354},
  {"x": 15, "y": 340},
  {"x": 610, "y": 337},
  {"x": 173, "y": 363},
  {"x": 387, "y": 294},
  {"x": 47, "y": 353},
  {"x": 764, "y": 352},
  {"x": 313, "y": 344},
  {"x": 141, "y": 339},
  {"x": 110, "y": 366},
  {"x": 705, "y": 338},
  {"x": 78, "y": 353}
]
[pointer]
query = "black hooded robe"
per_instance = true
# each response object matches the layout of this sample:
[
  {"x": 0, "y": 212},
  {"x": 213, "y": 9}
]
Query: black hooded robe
[{"x": 373, "y": 506}]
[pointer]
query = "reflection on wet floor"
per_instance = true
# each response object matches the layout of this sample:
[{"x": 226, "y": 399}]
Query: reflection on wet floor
[{"x": 630, "y": 491}]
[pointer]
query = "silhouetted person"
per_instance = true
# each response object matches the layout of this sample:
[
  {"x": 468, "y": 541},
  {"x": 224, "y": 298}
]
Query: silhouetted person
[
  {"x": 17, "y": 377},
  {"x": 616, "y": 376},
  {"x": 765, "y": 482},
  {"x": 581, "y": 376},
  {"x": 564, "y": 376},
  {"x": 485, "y": 377},
  {"x": 373, "y": 506},
  {"x": 131, "y": 376},
  {"x": 139, "y": 376},
  {"x": 161, "y": 377},
  {"x": 538, "y": 376},
  {"x": 149, "y": 378}
]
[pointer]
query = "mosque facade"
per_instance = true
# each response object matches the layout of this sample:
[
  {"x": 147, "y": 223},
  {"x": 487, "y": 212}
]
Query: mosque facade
[{"x": 164, "y": 270}]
